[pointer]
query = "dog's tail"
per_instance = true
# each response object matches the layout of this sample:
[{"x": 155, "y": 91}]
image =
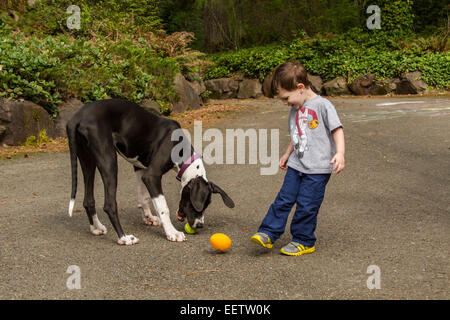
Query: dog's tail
[{"x": 71, "y": 130}]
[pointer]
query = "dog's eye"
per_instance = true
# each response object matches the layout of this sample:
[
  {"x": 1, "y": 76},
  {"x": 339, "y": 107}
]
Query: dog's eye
[{"x": 198, "y": 167}]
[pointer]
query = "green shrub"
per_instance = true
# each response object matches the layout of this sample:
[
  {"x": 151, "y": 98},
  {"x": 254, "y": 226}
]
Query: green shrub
[
  {"x": 165, "y": 107},
  {"x": 119, "y": 52},
  {"x": 254, "y": 62},
  {"x": 52, "y": 69},
  {"x": 396, "y": 15},
  {"x": 24, "y": 72},
  {"x": 33, "y": 141},
  {"x": 349, "y": 55},
  {"x": 99, "y": 17}
]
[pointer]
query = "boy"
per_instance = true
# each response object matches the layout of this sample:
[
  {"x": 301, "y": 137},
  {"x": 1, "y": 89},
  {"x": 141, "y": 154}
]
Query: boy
[{"x": 317, "y": 148}]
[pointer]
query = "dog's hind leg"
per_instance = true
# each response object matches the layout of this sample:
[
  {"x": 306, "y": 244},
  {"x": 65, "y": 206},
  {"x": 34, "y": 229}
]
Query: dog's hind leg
[
  {"x": 101, "y": 145},
  {"x": 87, "y": 163},
  {"x": 144, "y": 201}
]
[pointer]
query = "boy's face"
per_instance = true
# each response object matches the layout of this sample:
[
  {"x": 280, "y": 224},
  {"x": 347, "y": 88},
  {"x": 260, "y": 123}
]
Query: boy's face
[{"x": 294, "y": 98}]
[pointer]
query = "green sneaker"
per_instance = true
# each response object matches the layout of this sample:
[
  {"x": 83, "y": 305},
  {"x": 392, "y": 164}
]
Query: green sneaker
[
  {"x": 262, "y": 239},
  {"x": 296, "y": 249}
]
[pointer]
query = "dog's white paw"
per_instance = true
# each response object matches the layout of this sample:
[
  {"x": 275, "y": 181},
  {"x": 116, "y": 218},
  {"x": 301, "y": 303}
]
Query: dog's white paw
[
  {"x": 128, "y": 240},
  {"x": 151, "y": 220},
  {"x": 97, "y": 228},
  {"x": 98, "y": 232},
  {"x": 176, "y": 236}
]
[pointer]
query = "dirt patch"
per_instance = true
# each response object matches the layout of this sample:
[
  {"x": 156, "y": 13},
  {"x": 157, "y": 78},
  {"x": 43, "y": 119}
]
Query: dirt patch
[
  {"x": 209, "y": 115},
  {"x": 56, "y": 145}
]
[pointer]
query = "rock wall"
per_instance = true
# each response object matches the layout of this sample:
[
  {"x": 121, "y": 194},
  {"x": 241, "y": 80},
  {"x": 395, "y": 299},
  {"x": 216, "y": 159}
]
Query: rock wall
[{"x": 21, "y": 119}]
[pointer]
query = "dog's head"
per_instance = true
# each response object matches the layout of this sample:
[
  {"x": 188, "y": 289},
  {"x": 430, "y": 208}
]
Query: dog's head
[{"x": 196, "y": 197}]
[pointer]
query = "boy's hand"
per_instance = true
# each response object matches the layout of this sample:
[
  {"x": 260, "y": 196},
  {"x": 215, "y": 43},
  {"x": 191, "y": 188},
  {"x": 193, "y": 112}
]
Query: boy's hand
[
  {"x": 339, "y": 162},
  {"x": 283, "y": 161}
]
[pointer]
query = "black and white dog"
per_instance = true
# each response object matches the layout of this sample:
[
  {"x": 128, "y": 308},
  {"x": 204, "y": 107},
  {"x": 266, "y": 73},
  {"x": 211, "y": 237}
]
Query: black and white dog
[{"x": 100, "y": 130}]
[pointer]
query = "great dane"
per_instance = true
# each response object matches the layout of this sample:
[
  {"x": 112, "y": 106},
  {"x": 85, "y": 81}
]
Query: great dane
[{"x": 101, "y": 129}]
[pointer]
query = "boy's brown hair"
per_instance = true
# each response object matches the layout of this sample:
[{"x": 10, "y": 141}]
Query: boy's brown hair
[{"x": 288, "y": 75}]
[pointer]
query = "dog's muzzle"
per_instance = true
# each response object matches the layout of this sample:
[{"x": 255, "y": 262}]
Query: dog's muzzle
[{"x": 198, "y": 223}]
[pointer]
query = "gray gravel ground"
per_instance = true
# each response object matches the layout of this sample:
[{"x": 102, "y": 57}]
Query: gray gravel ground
[{"x": 388, "y": 208}]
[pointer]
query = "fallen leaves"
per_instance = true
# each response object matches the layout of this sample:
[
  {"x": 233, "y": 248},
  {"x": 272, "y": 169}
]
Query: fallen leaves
[
  {"x": 209, "y": 115},
  {"x": 56, "y": 145}
]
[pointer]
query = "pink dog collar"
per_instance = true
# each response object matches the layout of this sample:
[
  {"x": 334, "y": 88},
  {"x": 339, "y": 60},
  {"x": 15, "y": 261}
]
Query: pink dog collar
[{"x": 187, "y": 163}]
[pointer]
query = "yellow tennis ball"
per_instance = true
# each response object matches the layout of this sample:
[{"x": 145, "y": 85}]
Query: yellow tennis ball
[
  {"x": 188, "y": 229},
  {"x": 220, "y": 241}
]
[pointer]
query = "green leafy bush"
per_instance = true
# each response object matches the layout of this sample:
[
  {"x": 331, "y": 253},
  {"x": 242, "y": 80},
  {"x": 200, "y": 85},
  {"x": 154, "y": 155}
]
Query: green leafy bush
[
  {"x": 396, "y": 15},
  {"x": 254, "y": 62},
  {"x": 350, "y": 55},
  {"x": 99, "y": 17},
  {"x": 118, "y": 52},
  {"x": 47, "y": 71},
  {"x": 33, "y": 141},
  {"x": 24, "y": 72}
]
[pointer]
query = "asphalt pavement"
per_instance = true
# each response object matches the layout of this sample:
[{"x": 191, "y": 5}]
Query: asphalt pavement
[{"x": 388, "y": 211}]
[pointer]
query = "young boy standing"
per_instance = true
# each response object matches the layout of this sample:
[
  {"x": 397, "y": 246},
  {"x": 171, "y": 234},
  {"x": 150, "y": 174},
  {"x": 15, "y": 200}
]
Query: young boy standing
[{"x": 316, "y": 149}]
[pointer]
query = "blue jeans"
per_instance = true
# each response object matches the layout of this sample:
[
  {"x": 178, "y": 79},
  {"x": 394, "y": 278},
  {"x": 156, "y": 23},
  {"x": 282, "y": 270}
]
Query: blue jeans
[{"x": 307, "y": 191}]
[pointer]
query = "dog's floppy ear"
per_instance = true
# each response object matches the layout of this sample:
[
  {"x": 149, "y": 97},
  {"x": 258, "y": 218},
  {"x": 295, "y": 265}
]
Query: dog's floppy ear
[
  {"x": 226, "y": 199},
  {"x": 199, "y": 194}
]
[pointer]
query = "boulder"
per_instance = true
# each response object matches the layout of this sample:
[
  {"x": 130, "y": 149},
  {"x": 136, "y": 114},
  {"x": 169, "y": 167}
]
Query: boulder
[
  {"x": 66, "y": 111},
  {"x": 3, "y": 131},
  {"x": 316, "y": 83},
  {"x": 411, "y": 83},
  {"x": 22, "y": 119},
  {"x": 249, "y": 88},
  {"x": 223, "y": 88},
  {"x": 382, "y": 87},
  {"x": 267, "y": 86},
  {"x": 362, "y": 86},
  {"x": 151, "y": 106},
  {"x": 188, "y": 98},
  {"x": 336, "y": 87},
  {"x": 199, "y": 88}
]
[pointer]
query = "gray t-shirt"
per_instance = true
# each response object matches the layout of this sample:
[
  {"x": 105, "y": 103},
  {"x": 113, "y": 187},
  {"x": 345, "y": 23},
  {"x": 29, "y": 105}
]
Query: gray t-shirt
[{"x": 312, "y": 138}]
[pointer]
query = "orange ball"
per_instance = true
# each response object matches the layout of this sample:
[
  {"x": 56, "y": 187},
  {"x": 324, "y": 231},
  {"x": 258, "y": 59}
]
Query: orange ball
[{"x": 220, "y": 241}]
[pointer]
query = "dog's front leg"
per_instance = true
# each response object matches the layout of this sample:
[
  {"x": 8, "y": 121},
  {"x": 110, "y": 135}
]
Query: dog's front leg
[
  {"x": 153, "y": 184},
  {"x": 172, "y": 234}
]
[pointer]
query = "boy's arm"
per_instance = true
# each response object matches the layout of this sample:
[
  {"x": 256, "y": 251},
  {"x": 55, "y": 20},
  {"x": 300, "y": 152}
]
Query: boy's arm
[
  {"x": 339, "y": 141},
  {"x": 284, "y": 158},
  {"x": 289, "y": 149},
  {"x": 339, "y": 157}
]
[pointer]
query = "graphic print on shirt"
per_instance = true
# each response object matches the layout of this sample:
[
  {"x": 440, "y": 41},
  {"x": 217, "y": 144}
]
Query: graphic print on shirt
[{"x": 300, "y": 138}]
